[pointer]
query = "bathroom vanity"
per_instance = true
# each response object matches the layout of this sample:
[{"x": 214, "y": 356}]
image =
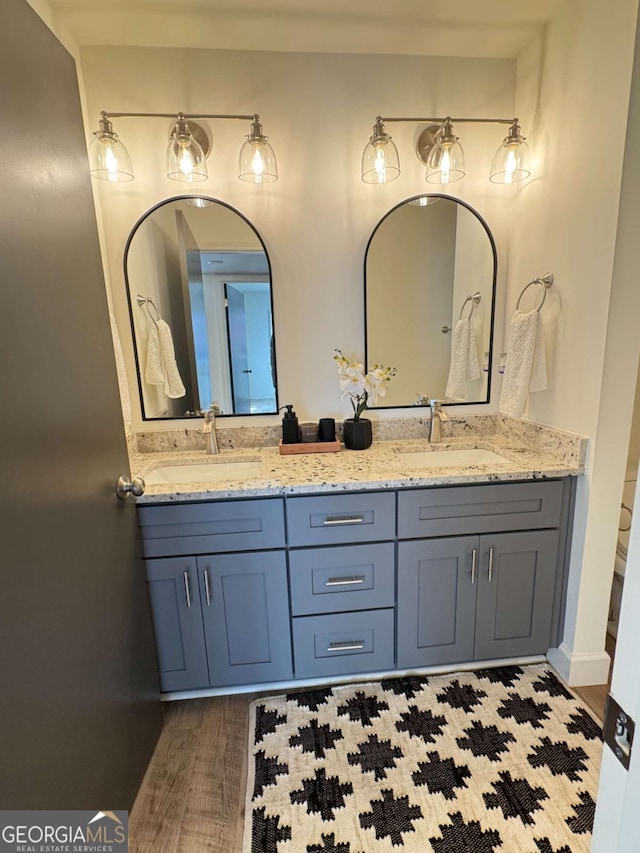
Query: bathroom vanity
[{"x": 320, "y": 569}]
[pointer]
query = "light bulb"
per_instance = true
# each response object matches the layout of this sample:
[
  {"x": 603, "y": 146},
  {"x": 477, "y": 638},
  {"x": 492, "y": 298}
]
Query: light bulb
[
  {"x": 257, "y": 164},
  {"x": 380, "y": 167},
  {"x": 110, "y": 162},
  {"x": 445, "y": 164},
  {"x": 186, "y": 162},
  {"x": 510, "y": 165}
]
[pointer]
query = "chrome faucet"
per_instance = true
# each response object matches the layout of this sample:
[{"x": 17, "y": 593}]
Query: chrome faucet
[
  {"x": 436, "y": 419},
  {"x": 209, "y": 428}
]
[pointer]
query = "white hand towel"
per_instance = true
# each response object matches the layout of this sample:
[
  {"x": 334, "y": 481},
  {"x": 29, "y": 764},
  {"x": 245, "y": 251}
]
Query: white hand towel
[
  {"x": 123, "y": 382},
  {"x": 154, "y": 372},
  {"x": 526, "y": 366},
  {"x": 173, "y": 386},
  {"x": 464, "y": 365}
]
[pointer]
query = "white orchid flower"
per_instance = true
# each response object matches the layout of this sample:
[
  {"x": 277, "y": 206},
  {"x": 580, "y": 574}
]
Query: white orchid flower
[{"x": 361, "y": 387}]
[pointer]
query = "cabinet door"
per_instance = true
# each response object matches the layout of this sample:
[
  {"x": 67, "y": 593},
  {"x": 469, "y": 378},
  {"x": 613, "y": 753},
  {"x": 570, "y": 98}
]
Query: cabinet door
[
  {"x": 177, "y": 620},
  {"x": 436, "y": 600},
  {"x": 245, "y": 607},
  {"x": 515, "y": 593}
]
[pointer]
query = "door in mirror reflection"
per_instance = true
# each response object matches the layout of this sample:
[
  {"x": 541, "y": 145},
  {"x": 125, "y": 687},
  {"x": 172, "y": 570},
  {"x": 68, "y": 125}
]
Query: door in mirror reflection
[
  {"x": 430, "y": 270},
  {"x": 199, "y": 287}
]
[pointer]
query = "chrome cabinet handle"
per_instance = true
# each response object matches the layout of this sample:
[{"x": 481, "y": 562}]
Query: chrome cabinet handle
[
  {"x": 207, "y": 587},
  {"x": 347, "y": 581},
  {"x": 346, "y": 646},
  {"x": 354, "y": 519},
  {"x": 126, "y": 487},
  {"x": 187, "y": 591},
  {"x": 474, "y": 564},
  {"x": 490, "y": 567}
]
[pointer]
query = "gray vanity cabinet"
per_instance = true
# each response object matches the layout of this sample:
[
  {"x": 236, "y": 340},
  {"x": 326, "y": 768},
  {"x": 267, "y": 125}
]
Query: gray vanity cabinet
[
  {"x": 515, "y": 586},
  {"x": 436, "y": 601},
  {"x": 342, "y": 590},
  {"x": 486, "y": 596},
  {"x": 177, "y": 620},
  {"x": 221, "y": 611},
  {"x": 475, "y": 597},
  {"x": 353, "y": 583},
  {"x": 245, "y": 609}
]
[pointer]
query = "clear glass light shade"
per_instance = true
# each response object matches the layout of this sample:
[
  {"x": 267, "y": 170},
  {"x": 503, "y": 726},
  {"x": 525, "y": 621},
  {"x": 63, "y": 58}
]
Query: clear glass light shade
[
  {"x": 446, "y": 163},
  {"x": 109, "y": 159},
  {"x": 511, "y": 162},
  {"x": 257, "y": 162},
  {"x": 185, "y": 158},
  {"x": 380, "y": 161}
]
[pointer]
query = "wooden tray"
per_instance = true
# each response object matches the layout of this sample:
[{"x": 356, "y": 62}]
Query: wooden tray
[{"x": 310, "y": 447}]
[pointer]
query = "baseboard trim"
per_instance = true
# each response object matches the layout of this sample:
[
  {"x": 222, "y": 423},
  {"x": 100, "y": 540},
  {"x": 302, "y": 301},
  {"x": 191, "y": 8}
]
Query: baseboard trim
[
  {"x": 280, "y": 686},
  {"x": 579, "y": 670}
]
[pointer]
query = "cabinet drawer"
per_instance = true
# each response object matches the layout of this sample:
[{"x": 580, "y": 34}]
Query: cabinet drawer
[
  {"x": 341, "y": 644},
  {"x": 479, "y": 509},
  {"x": 352, "y": 577},
  {"x": 339, "y": 519},
  {"x": 211, "y": 527}
]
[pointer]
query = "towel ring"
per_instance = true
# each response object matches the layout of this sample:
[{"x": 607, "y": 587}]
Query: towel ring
[
  {"x": 148, "y": 303},
  {"x": 545, "y": 280},
  {"x": 475, "y": 299}
]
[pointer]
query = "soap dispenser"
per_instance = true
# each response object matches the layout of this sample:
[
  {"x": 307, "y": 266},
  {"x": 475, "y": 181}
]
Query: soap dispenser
[{"x": 290, "y": 431}]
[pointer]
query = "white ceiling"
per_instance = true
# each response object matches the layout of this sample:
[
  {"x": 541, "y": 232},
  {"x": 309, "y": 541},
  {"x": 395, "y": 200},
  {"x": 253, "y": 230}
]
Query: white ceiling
[{"x": 498, "y": 28}]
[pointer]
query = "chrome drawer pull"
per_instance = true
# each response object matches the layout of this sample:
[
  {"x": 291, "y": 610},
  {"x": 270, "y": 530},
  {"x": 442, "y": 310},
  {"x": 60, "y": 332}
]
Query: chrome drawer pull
[
  {"x": 345, "y": 581},
  {"x": 474, "y": 564},
  {"x": 207, "y": 588},
  {"x": 490, "y": 568},
  {"x": 349, "y": 645},
  {"x": 187, "y": 591},
  {"x": 354, "y": 519}
]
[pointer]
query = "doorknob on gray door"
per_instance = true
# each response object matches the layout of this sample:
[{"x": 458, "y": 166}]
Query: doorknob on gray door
[{"x": 126, "y": 487}]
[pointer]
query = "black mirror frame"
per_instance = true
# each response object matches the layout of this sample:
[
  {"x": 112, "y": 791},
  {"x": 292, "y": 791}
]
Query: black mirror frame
[
  {"x": 493, "y": 294},
  {"x": 132, "y": 234}
]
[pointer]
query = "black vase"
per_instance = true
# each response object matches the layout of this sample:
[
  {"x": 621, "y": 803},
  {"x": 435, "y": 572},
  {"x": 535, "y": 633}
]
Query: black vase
[{"x": 357, "y": 435}]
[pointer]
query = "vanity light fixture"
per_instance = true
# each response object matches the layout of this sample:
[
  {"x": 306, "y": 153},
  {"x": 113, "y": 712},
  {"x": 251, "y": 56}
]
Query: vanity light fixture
[
  {"x": 439, "y": 149},
  {"x": 186, "y": 152}
]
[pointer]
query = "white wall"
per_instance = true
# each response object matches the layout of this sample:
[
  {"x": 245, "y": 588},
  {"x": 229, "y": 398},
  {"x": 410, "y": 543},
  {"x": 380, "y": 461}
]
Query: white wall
[
  {"x": 318, "y": 111},
  {"x": 573, "y": 80}
]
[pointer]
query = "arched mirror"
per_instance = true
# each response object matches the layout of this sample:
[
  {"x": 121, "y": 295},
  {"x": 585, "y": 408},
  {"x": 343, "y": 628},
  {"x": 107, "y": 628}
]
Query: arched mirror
[
  {"x": 430, "y": 273},
  {"x": 199, "y": 288}
]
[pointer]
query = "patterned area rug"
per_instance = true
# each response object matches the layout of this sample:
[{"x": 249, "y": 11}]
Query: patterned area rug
[{"x": 471, "y": 762}]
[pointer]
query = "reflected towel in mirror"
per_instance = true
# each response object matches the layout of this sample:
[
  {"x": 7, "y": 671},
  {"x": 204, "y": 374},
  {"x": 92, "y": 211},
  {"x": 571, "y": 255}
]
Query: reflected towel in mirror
[
  {"x": 525, "y": 369},
  {"x": 464, "y": 366},
  {"x": 161, "y": 368}
]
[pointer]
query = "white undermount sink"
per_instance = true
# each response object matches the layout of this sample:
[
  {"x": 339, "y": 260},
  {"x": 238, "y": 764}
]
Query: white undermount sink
[
  {"x": 450, "y": 458},
  {"x": 203, "y": 472}
]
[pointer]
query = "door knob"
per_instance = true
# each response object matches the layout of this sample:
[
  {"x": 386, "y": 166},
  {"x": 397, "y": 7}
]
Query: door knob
[
  {"x": 126, "y": 487},
  {"x": 247, "y": 371}
]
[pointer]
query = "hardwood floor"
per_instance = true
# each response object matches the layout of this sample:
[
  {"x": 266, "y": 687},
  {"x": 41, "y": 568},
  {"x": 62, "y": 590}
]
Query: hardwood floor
[{"x": 192, "y": 796}]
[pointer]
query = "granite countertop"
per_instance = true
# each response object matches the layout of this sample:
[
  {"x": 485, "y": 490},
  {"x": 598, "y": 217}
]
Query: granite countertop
[{"x": 385, "y": 465}]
